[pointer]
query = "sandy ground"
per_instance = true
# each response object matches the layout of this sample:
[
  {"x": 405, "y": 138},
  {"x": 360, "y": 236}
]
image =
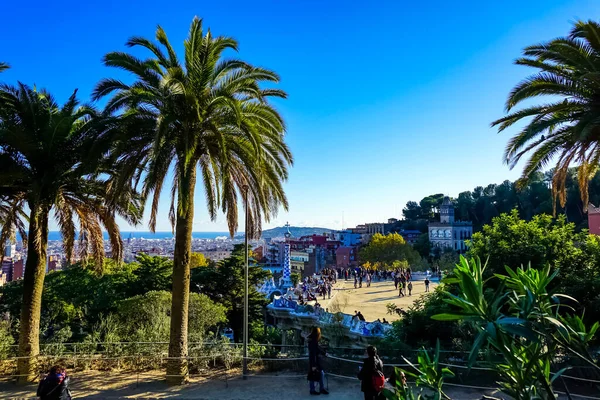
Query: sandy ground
[
  {"x": 371, "y": 301},
  {"x": 111, "y": 385}
]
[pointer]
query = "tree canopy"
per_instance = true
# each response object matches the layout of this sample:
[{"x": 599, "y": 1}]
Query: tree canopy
[
  {"x": 224, "y": 282},
  {"x": 563, "y": 129},
  {"x": 385, "y": 249}
]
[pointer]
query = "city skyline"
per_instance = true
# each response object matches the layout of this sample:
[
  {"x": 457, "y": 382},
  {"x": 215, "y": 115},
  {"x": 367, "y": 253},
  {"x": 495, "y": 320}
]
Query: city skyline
[{"x": 386, "y": 104}]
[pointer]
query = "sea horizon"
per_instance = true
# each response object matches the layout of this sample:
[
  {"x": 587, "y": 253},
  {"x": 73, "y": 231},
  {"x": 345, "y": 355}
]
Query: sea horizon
[{"x": 55, "y": 235}]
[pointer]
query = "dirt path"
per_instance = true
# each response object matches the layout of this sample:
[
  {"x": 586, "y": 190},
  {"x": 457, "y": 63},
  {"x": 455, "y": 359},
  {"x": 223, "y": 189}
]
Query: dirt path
[
  {"x": 111, "y": 385},
  {"x": 371, "y": 301}
]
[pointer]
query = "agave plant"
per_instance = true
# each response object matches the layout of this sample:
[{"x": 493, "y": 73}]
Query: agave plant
[
  {"x": 428, "y": 374},
  {"x": 521, "y": 321}
]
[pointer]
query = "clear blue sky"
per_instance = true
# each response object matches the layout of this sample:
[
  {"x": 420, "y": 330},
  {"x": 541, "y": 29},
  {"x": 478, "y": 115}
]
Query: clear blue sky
[{"x": 389, "y": 101}]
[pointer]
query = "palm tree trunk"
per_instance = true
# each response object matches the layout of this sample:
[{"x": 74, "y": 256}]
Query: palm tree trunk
[
  {"x": 33, "y": 285},
  {"x": 177, "y": 366}
]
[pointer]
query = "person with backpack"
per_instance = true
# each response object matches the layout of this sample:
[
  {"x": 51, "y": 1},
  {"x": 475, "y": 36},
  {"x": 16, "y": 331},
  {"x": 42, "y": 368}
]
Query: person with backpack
[
  {"x": 371, "y": 375},
  {"x": 315, "y": 371},
  {"x": 55, "y": 386}
]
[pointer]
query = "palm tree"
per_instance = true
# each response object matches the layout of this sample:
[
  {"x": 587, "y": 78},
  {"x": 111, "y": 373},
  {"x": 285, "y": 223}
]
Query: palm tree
[
  {"x": 50, "y": 159},
  {"x": 567, "y": 128},
  {"x": 3, "y": 66},
  {"x": 204, "y": 114}
]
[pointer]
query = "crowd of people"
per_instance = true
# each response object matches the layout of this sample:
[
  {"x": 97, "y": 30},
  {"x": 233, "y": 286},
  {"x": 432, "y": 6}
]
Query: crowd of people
[{"x": 317, "y": 286}]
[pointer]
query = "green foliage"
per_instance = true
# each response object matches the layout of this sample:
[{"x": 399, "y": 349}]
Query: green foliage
[
  {"x": 224, "y": 282},
  {"x": 543, "y": 242},
  {"x": 386, "y": 249},
  {"x": 295, "y": 277},
  {"x": 427, "y": 374},
  {"x": 76, "y": 297},
  {"x": 534, "y": 197},
  {"x": 521, "y": 321},
  {"x": 146, "y": 318},
  {"x": 416, "y": 328},
  {"x": 557, "y": 129},
  {"x": 6, "y": 339},
  {"x": 198, "y": 260},
  {"x": 423, "y": 245}
]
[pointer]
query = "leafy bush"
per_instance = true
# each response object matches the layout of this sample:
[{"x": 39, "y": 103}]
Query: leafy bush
[
  {"x": 416, "y": 328},
  {"x": 6, "y": 339},
  {"x": 145, "y": 318}
]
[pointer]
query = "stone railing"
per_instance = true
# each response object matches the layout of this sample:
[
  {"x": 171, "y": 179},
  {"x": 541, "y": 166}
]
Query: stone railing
[{"x": 305, "y": 315}]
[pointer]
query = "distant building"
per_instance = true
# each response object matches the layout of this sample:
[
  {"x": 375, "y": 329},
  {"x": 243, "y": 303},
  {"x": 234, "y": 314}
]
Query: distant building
[
  {"x": 10, "y": 250},
  {"x": 345, "y": 257},
  {"x": 7, "y": 269},
  {"x": 410, "y": 235},
  {"x": 594, "y": 219},
  {"x": 53, "y": 263},
  {"x": 18, "y": 269},
  {"x": 348, "y": 238},
  {"x": 448, "y": 233},
  {"x": 217, "y": 255},
  {"x": 298, "y": 260}
]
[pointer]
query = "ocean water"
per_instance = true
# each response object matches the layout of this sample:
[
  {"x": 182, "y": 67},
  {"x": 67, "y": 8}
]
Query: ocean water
[{"x": 55, "y": 235}]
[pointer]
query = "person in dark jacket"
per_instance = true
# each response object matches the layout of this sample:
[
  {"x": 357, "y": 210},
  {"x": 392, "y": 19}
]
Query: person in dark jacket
[
  {"x": 55, "y": 386},
  {"x": 315, "y": 370},
  {"x": 371, "y": 364}
]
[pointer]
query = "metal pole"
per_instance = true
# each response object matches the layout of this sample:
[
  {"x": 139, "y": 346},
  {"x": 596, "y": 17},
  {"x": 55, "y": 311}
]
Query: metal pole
[{"x": 245, "y": 360}]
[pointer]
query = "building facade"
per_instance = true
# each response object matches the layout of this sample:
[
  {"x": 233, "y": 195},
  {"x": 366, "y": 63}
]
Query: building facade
[
  {"x": 448, "y": 233},
  {"x": 594, "y": 219}
]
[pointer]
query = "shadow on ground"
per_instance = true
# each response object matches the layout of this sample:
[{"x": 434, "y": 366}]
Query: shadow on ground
[{"x": 113, "y": 385}]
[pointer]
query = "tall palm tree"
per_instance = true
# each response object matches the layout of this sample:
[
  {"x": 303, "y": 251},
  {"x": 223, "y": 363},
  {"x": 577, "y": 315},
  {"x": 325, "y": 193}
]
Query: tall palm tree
[
  {"x": 3, "y": 66},
  {"x": 205, "y": 114},
  {"x": 51, "y": 160},
  {"x": 567, "y": 128}
]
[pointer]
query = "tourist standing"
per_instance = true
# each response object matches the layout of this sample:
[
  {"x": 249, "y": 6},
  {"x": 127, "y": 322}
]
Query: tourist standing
[
  {"x": 370, "y": 373},
  {"x": 410, "y": 288},
  {"x": 55, "y": 386},
  {"x": 427, "y": 284},
  {"x": 315, "y": 371},
  {"x": 360, "y": 317},
  {"x": 329, "y": 290}
]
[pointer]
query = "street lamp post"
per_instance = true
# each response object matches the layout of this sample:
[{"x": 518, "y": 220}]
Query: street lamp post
[{"x": 245, "y": 359}]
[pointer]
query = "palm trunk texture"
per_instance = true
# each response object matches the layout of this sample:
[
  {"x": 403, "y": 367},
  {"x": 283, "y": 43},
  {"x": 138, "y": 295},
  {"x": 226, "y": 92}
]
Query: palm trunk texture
[
  {"x": 177, "y": 365},
  {"x": 33, "y": 285}
]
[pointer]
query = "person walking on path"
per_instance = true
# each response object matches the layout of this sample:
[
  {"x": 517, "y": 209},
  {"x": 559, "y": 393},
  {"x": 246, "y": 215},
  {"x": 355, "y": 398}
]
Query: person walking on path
[
  {"x": 372, "y": 367},
  {"x": 410, "y": 288},
  {"x": 315, "y": 371},
  {"x": 329, "y": 290},
  {"x": 55, "y": 386}
]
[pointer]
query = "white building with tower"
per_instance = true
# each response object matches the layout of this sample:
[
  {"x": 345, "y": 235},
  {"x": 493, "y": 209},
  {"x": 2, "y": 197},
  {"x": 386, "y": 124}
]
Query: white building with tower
[{"x": 448, "y": 233}]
